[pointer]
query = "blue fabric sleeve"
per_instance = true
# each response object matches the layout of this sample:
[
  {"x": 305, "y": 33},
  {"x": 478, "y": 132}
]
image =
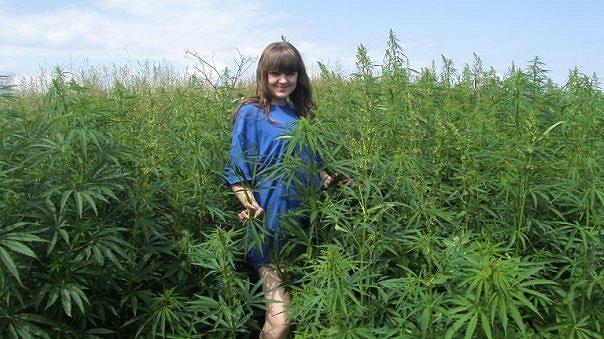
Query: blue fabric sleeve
[{"x": 241, "y": 165}]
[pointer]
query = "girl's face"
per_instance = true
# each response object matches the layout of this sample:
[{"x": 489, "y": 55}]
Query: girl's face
[{"x": 281, "y": 86}]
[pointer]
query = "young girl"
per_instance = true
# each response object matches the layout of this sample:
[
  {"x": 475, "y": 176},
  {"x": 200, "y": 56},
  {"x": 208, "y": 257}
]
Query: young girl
[{"x": 283, "y": 96}]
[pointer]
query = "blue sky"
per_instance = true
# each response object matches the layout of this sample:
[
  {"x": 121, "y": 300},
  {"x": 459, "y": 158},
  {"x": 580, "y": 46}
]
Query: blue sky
[{"x": 73, "y": 34}]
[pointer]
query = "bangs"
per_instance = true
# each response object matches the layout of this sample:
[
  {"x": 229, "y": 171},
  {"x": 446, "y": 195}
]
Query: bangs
[{"x": 283, "y": 61}]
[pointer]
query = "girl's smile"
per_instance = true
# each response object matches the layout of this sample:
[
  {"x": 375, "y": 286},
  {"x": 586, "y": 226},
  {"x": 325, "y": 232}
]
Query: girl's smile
[{"x": 282, "y": 85}]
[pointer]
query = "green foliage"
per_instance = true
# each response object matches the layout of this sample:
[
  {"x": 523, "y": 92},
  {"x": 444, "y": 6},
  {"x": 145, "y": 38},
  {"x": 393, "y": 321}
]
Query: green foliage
[{"x": 475, "y": 207}]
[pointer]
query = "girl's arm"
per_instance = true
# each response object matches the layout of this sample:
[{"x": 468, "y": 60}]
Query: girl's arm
[{"x": 246, "y": 198}]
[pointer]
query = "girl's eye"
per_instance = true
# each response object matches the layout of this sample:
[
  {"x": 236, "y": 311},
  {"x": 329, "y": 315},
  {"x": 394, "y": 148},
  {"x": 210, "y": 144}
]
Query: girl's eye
[{"x": 291, "y": 73}]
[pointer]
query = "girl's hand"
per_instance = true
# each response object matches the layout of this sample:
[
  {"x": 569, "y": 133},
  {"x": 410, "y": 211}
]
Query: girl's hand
[
  {"x": 342, "y": 180},
  {"x": 243, "y": 216},
  {"x": 338, "y": 179},
  {"x": 327, "y": 180},
  {"x": 252, "y": 209},
  {"x": 247, "y": 200}
]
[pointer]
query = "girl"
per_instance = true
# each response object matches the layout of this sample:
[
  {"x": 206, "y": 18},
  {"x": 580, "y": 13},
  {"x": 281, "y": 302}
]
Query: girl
[{"x": 283, "y": 96}]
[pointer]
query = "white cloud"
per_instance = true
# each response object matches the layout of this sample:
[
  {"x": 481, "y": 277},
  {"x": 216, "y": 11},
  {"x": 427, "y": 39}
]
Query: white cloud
[
  {"x": 313, "y": 51},
  {"x": 120, "y": 30}
]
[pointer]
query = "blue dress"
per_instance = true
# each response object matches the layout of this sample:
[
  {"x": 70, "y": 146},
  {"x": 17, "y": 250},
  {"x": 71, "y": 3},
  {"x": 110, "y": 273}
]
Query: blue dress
[{"x": 258, "y": 145}]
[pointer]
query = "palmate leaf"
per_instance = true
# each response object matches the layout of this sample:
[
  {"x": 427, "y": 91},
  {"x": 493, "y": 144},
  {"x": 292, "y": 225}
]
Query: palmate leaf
[
  {"x": 469, "y": 314},
  {"x": 167, "y": 313},
  {"x": 457, "y": 325},
  {"x": 12, "y": 240},
  {"x": 568, "y": 325},
  {"x": 507, "y": 287},
  {"x": 106, "y": 244},
  {"x": 86, "y": 197},
  {"x": 25, "y": 325},
  {"x": 68, "y": 293}
]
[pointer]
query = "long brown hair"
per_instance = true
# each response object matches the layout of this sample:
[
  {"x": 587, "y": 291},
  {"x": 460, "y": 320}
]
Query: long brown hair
[{"x": 282, "y": 57}]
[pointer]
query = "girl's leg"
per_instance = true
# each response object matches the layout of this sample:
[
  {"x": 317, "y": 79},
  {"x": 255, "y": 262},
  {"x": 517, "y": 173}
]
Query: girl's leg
[{"x": 276, "y": 322}]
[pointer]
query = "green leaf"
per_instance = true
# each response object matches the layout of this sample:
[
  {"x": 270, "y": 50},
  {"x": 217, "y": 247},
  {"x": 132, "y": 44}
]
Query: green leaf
[
  {"x": 516, "y": 316},
  {"x": 7, "y": 260},
  {"x": 424, "y": 320},
  {"x": 90, "y": 202},
  {"x": 79, "y": 204},
  {"x": 471, "y": 326},
  {"x": 457, "y": 325},
  {"x": 77, "y": 299},
  {"x": 97, "y": 255},
  {"x": 64, "y": 198},
  {"x": 503, "y": 314},
  {"x": 99, "y": 331},
  {"x": 83, "y": 142},
  {"x": 54, "y": 295},
  {"x": 108, "y": 192},
  {"x": 520, "y": 297},
  {"x": 534, "y": 282},
  {"x": 18, "y": 247},
  {"x": 66, "y": 301},
  {"x": 486, "y": 325},
  {"x": 549, "y": 129},
  {"x": 21, "y": 236}
]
